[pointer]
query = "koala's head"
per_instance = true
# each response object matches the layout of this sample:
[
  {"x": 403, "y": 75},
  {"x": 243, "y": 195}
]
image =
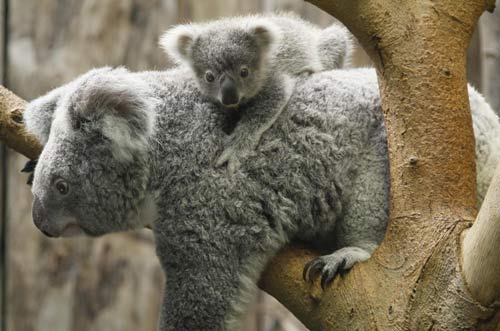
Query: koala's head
[
  {"x": 92, "y": 173},
  {"x": 229, "y": 61}
]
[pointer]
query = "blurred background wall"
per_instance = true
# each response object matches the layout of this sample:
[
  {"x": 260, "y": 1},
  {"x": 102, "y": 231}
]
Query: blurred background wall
[{"x": 114, "y": 283}]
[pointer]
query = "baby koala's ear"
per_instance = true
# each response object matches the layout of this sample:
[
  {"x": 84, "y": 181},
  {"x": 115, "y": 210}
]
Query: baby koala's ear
[
  {"x": 265, "y": 34},
  {"x": 40, "y": 112},
  {"x": 178, "y": 41}
]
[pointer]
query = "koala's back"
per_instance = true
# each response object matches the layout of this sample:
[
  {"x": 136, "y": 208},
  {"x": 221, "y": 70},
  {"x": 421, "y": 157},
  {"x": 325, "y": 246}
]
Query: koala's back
[
  {"x": 310, "y": 160},
  {"x": 305, "y": 169}
]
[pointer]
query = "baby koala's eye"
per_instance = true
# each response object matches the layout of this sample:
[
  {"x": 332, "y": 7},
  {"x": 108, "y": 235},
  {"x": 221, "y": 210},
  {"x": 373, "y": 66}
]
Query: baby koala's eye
[
  {"x": 244, "y": 72},
  {"x": 62, "y": 186},
  {"x": 209, "y": 76}
]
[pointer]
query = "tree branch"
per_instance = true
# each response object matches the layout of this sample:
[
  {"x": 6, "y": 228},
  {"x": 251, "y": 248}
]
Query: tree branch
[
  {"x": 12, "y": 130},
  {"x": 481, "y": 248}
]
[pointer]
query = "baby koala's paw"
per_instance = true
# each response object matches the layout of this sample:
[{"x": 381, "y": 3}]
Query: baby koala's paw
[
  {"x": 229, "y": 156},
  {"x": 328, "y": 266},
  {"x": 233, "y": 156},
  {"x": 236, "y": 151}
]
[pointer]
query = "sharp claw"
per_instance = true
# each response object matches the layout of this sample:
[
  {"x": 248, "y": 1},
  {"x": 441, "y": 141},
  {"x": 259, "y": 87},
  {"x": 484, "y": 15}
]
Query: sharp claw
[
  {"x": 306, "y": 270},
  {"x": 316, "y": 269},
  {"x": 327, "y": 279},
  {"x": 29, "y": 166},
  {"x": 30, "y": 179},
  {"x": 342, "y": 270},
  {"x": 329, "y": 276}
]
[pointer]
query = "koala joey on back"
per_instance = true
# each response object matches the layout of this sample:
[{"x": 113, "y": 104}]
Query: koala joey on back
[{"x": 249, "y": 63}]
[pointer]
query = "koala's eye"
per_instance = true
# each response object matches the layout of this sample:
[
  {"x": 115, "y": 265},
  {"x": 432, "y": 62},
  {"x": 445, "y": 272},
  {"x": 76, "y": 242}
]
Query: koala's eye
[
  {"x": 209, "y": 76},
  {"x": 244, "y": 72},
  {"x": 61, "y": 186}
]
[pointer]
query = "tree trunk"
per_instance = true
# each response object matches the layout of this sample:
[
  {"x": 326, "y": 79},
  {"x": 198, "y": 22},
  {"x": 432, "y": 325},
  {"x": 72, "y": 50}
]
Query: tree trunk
[
  {"x": 474, "y": 62},
  {"x": 490, "y": 43}
]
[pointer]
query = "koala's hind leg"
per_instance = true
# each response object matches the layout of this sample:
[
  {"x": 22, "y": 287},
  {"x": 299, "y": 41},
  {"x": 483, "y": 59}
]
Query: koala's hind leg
[{"x": 361, "y": 229}]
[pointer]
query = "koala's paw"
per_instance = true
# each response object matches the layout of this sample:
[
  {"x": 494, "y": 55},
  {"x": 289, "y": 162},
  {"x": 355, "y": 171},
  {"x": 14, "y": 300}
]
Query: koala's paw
[
  {"x": 29, "y": 168},
  {"x": 232, "y": 156},
  {"x": 328, "y": 266}
]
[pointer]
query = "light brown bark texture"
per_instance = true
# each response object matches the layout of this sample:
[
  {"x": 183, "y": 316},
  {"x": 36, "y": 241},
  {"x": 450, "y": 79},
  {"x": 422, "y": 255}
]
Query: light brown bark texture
[
  {"x": 489, "y": 27},
  {"x": 481, "y": 246},
  {"x": 474, "y": 60}
]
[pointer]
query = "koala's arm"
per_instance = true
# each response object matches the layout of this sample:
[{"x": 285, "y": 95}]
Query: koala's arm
[
  {"x": 362, "y": 226},
  {"x": 259, "y": 115}
]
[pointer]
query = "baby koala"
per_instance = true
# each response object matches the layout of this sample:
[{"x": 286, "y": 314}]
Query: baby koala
[{"x": 248, "y": 63}]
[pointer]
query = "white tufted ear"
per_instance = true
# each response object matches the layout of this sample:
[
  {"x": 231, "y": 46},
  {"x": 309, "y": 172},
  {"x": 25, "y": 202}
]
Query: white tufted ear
[
  {"x": 265, "y": 33},
  {"x": 39, "y": 113},
  {"x": 178, "y": 41},
  {"x": 114, "y": 102}
]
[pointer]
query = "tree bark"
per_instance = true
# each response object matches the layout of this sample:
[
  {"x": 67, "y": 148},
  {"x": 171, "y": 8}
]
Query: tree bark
[
  {"x": 474, "y": 61},
  {"x": 11, "y": 128},
  {"x": 481, "y": 246},
  {"x": 490, "y": 44}
]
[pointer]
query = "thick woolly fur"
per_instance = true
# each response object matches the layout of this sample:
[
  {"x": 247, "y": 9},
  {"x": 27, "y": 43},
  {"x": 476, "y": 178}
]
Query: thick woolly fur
[
  {"x": 319, "y": 174},
  {"x": 272, "y": 50},
  {"x": 266, "y": 44}
]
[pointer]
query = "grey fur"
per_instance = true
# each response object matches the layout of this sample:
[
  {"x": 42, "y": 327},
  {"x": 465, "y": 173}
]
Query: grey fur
[
  {"x": 320, "y": 174},
  {"x": 39, "y": 121},
  {"x": 272, "y": 48}
]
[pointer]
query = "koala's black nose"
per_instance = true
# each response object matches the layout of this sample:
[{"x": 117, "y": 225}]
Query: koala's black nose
[
  {"x": 229, "y": 92},
  {"x": 39, "y": 215}
]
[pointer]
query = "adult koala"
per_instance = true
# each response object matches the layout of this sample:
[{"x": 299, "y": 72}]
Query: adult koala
[{"x": 123, "y": 150}]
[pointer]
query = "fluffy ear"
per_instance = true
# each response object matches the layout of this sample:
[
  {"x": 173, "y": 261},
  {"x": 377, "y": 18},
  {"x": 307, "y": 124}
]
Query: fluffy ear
[
  {"x": 178, "y": 41},
  {"x": 117, "y": 104},
  {"x": 266, "y": 35},
  {"x": 335, "y": 47},
  {"x": 39, "y": 113}
]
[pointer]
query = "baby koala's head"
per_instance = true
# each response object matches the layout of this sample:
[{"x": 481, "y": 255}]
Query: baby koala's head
[{"x": 229, "y": 60}]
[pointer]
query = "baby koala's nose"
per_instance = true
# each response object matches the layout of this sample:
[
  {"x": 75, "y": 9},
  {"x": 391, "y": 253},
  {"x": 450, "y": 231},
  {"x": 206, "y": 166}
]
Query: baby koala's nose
[{"x": 229, "y": 92}]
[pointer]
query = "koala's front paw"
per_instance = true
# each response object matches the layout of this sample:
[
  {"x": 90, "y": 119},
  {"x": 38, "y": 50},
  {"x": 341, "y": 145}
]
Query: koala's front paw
[
  {"x": 29, "y": 168},
  {"x": 336, "y": 263},
  {"x": 232, "y": 156}
]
